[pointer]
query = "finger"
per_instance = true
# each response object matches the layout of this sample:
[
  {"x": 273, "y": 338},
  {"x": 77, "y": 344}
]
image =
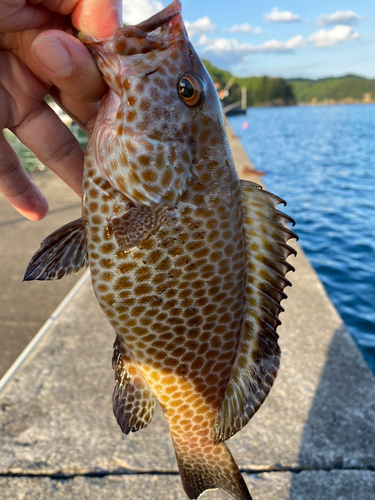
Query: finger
[
  {"x": 13, "y": 18},
  {"x": 69, "y": 65},
  {"x": 82, "y": 113},
  {"x": 97, "y": 18},
  {"x": 54, "y": 145},
  {"x": 17, "y": 187}
]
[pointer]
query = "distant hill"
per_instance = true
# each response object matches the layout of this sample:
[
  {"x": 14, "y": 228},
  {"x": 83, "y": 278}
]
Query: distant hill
[
  {"x": 344, "y": 88},
  {"x": 261, "y": 91},
  {"x": 267, "y": 91}
]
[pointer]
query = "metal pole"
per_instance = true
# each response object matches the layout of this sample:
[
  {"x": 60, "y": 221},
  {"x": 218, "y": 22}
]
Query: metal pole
[{"x": 243, "y": 98}]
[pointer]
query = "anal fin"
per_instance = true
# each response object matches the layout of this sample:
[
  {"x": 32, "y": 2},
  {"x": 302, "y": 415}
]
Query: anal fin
[
  {"x": 258, "y": 354},
  {"x": 137, "y": 224},
  {"x": 132, "y": 398},
  {"x": 62, "y": 252}
]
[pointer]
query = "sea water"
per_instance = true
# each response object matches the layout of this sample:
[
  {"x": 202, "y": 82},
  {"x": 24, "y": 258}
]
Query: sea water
[{"x": 321, "y": 160}]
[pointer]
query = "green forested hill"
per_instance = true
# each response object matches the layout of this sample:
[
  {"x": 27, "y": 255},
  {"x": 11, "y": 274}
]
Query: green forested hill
[
  {"x": 338, "y": 89},
  {"x": 262, "y": 90}
]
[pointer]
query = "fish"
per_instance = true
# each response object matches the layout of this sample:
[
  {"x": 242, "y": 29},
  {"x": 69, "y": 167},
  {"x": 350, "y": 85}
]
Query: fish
[{"x": 187, "y": 261}]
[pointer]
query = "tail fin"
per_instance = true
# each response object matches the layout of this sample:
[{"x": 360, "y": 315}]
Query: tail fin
[{"x": 210, "y": 468}]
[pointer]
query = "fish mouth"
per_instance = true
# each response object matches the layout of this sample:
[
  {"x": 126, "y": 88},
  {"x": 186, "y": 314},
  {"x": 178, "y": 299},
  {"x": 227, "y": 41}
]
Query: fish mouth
[
  {"x": 157, "y": 32},
  {"x": 124, "y": 52},
  {"x": 141, "y": 30},
  {"x": 160, "y": 19}
]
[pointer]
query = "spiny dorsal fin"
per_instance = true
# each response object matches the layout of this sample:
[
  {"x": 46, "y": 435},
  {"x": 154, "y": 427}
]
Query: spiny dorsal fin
[
  {"x": 132, "y": 398},
  {"x": 258, "y": 353},
  {"x": 62, "y": 252},
  {"x": 136, "y": 225}
]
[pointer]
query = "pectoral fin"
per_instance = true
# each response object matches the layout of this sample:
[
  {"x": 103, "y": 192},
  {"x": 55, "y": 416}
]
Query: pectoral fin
[
  {"x": 137, "y": 224},
  {"x": 62, "y": 252},
  {"x": 133, "y": 400},
  {"x": 258, "y": 353}
]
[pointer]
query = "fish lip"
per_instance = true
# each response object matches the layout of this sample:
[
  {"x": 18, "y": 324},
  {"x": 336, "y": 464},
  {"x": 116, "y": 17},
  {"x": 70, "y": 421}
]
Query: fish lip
[
  {"x": 142, "y": 29},
  {"x": 163, "y": 17},
  {"x": 87, "y": 39},
  {"x": 156, "y": 33}
]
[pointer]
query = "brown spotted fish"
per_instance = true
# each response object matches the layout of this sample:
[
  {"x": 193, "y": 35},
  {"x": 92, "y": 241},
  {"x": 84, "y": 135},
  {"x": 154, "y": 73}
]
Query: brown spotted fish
[{"x": 187, "y": 261}]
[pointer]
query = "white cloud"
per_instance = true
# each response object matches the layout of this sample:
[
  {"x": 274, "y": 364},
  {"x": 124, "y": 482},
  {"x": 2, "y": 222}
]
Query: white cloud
[
  {"x": 281, "y": 16},
  {"x": 232, "y": 51},
  {"x": 134, "y": 12},
  {"x": 227, "y": 50},
  {"x": 243, "y": 28},
  {"x": 203, "y": 40},
  {"x": 201, "y": 26},
  {"x": 276, "y": 46},
  {"x": 338, "y": 34},
  {"x": 347, "y": 17}
]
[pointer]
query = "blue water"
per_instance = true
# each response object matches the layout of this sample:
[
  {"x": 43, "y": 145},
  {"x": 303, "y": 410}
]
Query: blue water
[{"x": 321, "y": 160}]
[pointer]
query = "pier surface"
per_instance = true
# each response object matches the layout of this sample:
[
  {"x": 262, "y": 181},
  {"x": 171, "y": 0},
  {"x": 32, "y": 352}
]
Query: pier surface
[
  {"x": 25, "y": 307},
  {"x": 312, "y": 439}
]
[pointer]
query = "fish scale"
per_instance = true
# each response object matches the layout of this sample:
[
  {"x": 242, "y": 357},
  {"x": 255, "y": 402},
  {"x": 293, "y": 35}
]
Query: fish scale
[{"x": 187, "y": 262}]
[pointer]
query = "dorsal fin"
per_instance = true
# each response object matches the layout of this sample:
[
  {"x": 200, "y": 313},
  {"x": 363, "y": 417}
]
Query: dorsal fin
[
  {"x": 62, "y": 252},
  {"x": 133, "y": 400},
  {"x": 258, "y": 354}
]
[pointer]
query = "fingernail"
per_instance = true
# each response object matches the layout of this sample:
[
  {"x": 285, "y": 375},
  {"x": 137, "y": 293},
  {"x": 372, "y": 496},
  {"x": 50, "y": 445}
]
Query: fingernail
[{"x": 54, "y": 55}]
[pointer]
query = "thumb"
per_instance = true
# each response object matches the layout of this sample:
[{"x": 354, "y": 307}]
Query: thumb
[
  {"x": 69, "y": 65},
  {"x": 65, "y": 60}
]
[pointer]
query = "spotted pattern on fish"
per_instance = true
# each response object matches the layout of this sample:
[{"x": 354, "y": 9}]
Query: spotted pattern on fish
[
  {"x": 179, "y": 291},
  {"x": 187, "y": 262},
  {"x": 176, "y": 302}
]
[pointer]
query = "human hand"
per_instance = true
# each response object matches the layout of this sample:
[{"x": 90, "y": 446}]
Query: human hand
[{"x": 40, "y": 56}]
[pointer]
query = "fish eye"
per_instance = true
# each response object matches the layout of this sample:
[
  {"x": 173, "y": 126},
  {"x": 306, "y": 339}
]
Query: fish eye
[{"x": 190, "y": 89}]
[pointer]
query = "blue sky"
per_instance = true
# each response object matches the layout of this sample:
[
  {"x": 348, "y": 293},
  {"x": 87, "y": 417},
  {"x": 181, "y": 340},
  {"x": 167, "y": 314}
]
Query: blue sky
[{"x": 313, "y": 39}]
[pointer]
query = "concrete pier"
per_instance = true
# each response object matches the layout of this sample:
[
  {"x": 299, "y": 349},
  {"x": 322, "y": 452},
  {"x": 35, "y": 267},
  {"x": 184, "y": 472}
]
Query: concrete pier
[
  {"x": 24, "y": 309},
  {"x": 314, "y": 437}
]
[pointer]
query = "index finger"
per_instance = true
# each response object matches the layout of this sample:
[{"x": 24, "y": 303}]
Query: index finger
[
  {"x": 19, "y": 16},
  {"x": 17, "y": 187},
  {"x": 97, "y": 18}
]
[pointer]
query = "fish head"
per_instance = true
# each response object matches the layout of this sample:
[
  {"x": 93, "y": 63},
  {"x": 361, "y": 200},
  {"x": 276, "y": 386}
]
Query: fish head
[{"x": 164, "y": 106}]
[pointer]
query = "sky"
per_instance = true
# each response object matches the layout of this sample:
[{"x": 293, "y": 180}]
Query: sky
[{"x": 287, "y": 38}]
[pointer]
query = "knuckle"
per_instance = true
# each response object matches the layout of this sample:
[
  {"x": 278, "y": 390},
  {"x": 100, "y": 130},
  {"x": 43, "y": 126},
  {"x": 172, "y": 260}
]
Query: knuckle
[
  {"x": 13, "y": 180},
  {"x": 65, "y": 151},
  {"x": 92, "y": 93},
  {"x": 8, "y": 171}
]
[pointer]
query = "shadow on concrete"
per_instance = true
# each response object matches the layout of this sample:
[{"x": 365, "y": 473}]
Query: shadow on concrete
[
  {"x": 339, "y": 435},
  {"x": 17, "y": 220}
]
